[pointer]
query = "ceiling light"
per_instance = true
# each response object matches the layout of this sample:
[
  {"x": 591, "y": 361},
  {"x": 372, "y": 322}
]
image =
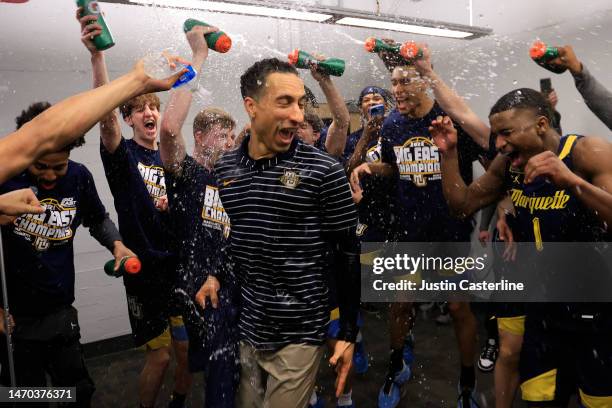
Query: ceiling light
[
  {"x": 406, "y": 28},
  {"x": 240, "y": 8}
]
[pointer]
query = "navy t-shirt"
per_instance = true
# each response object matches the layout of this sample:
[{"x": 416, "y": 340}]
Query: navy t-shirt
[
  {"x": 424, "y": 215},
  {"x": 136, "y": 178},
  {"x": 38, "y": 248},
  {"x": 378, "y": 207},
  {"x": 200, "y": 223}
]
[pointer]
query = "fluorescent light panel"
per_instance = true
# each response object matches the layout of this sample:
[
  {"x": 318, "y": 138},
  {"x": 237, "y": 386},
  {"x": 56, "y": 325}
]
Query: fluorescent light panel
[
  {"x": 406, "y": 28},
  {"x": 328, "y": 15},
  {"x": 240, "y": 9}
]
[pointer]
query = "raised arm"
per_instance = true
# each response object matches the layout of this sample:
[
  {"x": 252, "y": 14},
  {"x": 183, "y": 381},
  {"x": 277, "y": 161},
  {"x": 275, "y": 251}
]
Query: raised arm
[
  {"x": 110, "y": 130},
  {"x": 370, "y": 131},
  {"x": 172, "y": 142},
  {"x": 338, "y": 130},
  {"x": 596, "y": 96},
  {"x": 454, "y": 105},
  {"x": 71, "y": 118},
  {"x": 464, "y": 200}
]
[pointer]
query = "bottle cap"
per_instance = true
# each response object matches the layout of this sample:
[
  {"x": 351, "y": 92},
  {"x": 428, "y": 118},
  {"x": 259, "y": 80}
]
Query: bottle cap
[
  {"x": 409, "y": 50},
  {"x": 537, "y": 50},
  {"x": 294, "y": 56},
  {"x": 186, "y": 76},
  {"x": 370, "y": 44},
  {"x": 132, "y": 265},
  {"x": 223, "y": 44}
]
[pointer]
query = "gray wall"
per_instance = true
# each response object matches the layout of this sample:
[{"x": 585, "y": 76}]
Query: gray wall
[{"x": 41, "y": 58}]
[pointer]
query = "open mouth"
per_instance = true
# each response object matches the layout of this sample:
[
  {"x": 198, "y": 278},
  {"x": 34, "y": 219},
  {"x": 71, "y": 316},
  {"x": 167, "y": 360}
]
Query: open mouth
[
  {"x": 515, "y": 158},
  {"x": 47, "y": 185},
  {"x": 287, "y": 134},
  {"x": 149, "y": 124}
]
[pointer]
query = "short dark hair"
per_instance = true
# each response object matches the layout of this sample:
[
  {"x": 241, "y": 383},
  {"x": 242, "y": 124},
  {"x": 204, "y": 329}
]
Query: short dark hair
[
  {"x": 254, "y": 78},
  {"x": 314, "y": 120},
  {"x": 524, "y": 98},
  {"x": 36, "y": 109}
]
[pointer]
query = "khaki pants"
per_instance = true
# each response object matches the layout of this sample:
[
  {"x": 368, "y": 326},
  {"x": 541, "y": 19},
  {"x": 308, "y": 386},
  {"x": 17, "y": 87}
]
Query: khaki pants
[{"x": 283, "y": 378}]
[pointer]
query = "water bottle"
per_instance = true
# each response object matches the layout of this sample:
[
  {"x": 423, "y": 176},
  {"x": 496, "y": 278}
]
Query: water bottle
[
  {"x": 157, "y": 66},
  {"x": 217, "y": 41},
  {"x": 376, "y": 45},
  {"x": 330, "y": 66},
  {"x": 129, "y": 264},
  {"x": 411, "y": 51},
  {"x": 104, "y": 40},
  {"x": 542, "y": 54}
]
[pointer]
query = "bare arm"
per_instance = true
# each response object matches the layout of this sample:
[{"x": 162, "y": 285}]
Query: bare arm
[
  {"x": 338, "y": 130},
  {"x": 172, "y": 142},
  {"x": 72, "y": 118},
  {"x": 464, "y": 200},
  {"x": 110, "y": 130},
  {"x": 370, "y": 132},
  {"x": 592, "y": 182},
  {"x": 454, "y": 105}
]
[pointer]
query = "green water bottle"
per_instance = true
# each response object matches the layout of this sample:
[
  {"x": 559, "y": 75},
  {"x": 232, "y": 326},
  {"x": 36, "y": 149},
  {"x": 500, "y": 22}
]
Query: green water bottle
[
  {"x": 129, "y": 264},
  {"x": 330, "y": 66},
  {"x": 218, "y": 41},
  {"x": 376, "y": 45},
  {"x": 104, "y": 40},
  {"x": 542, "y": 54}
]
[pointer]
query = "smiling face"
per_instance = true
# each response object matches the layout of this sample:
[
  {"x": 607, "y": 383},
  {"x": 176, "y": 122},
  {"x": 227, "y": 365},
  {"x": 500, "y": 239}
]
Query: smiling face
[
  {"x": 277, "y": 112},
  {"x": 409, "y": 89},
  {"x": 49, "y": 169},
  {"x": 519, "y": 134},
  {"x": 370, "y": 100},
  {"x": 143, "y": 120}
]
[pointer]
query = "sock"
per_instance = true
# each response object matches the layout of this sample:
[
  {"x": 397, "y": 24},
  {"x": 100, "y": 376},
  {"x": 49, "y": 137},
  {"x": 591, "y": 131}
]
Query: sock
[
  {"x": 345, "y": 400},
  {"x": 177, "y": 400},
  {"x": 313, "y": 398},
  {"x": 468, "y": 377},
  {"x": 396, "y": 363},
  {"x": 396, "y": 360},
  {"x": 491, "y": 327}
]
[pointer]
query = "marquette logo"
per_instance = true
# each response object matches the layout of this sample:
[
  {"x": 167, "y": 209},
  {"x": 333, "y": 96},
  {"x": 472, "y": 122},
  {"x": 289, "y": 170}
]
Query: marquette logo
[
  {"x": 290, "y": 179},
  {"x": 153, "y": 177},
  {"x": 52, "y": 225},
  {"x": 545, "y": 203},
  {"x": 361, "y": 228},
  {"x": 418, "y": 160},
  {"x": 213, "y": 213},
  {"x": 374, "y": 154}
]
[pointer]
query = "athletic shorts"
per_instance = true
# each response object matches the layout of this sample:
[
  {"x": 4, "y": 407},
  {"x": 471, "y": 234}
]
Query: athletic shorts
[
  {"x": 333, "y": 330},
  {"x": 149, "y": 305},
  {"x": 557, "y": 363},
  {"x": 511, "y": 317},
  {"x": 174, "y": 331}
]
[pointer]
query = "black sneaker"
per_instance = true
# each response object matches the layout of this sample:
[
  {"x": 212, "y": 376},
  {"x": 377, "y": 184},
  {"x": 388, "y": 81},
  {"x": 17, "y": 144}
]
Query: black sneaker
[{"x": 488, "y": 356}]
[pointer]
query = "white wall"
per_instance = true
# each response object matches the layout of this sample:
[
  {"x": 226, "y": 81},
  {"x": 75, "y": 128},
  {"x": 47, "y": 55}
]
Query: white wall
[{"x": 41, "y": 58}]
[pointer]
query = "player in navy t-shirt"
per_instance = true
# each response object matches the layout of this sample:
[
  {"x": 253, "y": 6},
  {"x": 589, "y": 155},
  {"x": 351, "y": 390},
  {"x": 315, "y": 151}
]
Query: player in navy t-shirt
[
  {"x": 408, "y": 151},
  {"x": 39, "y": 256},
  {"x": 136, "y": 178},
  {"x": 202, "y": 231}
]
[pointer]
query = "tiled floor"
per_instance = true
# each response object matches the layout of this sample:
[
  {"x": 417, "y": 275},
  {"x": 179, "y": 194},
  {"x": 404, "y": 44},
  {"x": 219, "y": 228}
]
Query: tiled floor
[{"x": 433, "y": 385}]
